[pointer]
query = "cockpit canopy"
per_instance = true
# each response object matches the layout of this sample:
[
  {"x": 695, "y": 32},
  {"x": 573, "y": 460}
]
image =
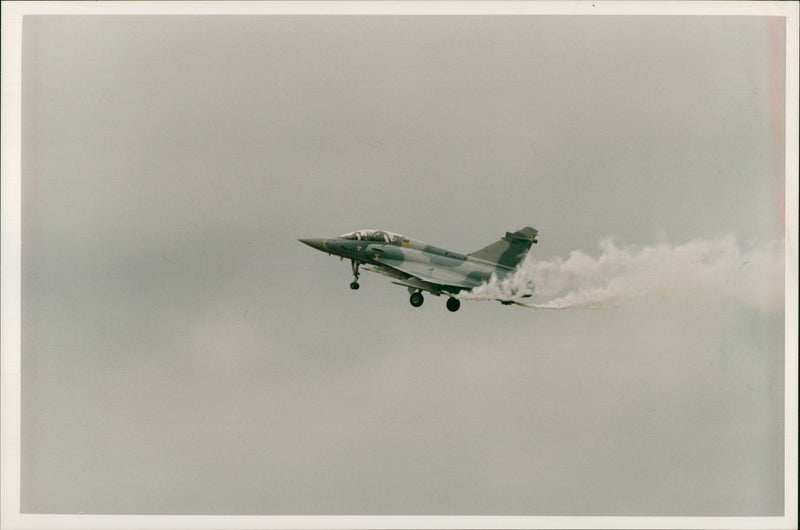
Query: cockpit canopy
[{"x": 373, "y": 235}]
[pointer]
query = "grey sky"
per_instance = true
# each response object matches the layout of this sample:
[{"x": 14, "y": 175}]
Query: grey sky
[{"x": 183, "y": 353}]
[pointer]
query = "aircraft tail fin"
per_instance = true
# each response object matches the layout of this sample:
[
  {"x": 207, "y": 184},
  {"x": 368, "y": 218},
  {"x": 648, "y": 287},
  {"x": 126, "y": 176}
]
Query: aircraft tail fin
[{"x": 511, "y": 250}]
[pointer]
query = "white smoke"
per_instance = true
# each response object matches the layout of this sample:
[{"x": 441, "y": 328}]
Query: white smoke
[{"x": 715, "y": 270}]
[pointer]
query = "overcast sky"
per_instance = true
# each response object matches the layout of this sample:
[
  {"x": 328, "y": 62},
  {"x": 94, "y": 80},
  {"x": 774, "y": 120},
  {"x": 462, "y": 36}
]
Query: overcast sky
[{"x": 183, "y": 353}]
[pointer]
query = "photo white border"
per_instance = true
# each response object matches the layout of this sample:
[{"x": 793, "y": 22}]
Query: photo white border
[{"x": 10, "y": 463}]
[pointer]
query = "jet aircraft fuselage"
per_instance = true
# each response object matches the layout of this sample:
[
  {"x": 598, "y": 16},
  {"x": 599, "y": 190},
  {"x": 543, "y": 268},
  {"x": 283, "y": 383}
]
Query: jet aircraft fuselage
[{"x": 422, "y": 267}]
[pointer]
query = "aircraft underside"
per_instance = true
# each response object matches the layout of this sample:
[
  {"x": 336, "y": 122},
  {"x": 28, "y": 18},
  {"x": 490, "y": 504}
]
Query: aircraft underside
[{"x": 414, "y": 285}]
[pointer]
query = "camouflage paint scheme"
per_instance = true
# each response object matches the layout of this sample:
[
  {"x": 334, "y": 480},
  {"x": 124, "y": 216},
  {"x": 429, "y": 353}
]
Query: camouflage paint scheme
[{"x": 422, "y": 267}]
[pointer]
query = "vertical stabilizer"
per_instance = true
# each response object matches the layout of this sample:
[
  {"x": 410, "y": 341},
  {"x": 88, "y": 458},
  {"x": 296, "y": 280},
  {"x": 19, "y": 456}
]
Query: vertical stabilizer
[{"x": 511, "y": 250}]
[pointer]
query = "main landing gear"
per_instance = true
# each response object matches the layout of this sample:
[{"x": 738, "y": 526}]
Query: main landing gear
[
  {"x": 416, "y": 299},
  {"x": 354, "y": 284}
]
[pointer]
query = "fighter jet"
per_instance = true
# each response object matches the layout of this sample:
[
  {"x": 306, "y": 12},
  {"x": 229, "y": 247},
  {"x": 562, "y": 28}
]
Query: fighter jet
[{"x": 422, "y": 267}]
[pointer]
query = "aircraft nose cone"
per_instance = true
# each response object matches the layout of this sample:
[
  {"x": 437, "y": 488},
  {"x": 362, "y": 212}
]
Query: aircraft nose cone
[{"x": 315, "y": 242}]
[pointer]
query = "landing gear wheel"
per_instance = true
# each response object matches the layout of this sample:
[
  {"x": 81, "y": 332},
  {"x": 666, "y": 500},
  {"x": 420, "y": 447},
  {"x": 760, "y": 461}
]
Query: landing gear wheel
[
  {"x": 416, "y": 299},
  {"x": 453, "y": 304},
  {"x": 354, "y": 265}
]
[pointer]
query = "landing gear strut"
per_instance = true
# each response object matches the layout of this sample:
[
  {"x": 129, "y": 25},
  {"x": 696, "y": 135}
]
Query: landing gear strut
[
  {"x": 416, "y": 299},
  {"x": 354, "y": 284},
  {"x": 453, "y": 304}
]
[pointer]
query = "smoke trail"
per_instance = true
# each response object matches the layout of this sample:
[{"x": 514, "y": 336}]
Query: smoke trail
[{"x": 716, "y": 270}]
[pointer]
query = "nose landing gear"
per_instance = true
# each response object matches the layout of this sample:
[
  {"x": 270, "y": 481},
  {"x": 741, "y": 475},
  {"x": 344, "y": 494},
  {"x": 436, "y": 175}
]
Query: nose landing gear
[{"x": 354, "y": 284}]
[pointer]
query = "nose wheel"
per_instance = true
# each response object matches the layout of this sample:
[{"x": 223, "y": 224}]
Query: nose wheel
[{"x": 354, "y": 284}]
